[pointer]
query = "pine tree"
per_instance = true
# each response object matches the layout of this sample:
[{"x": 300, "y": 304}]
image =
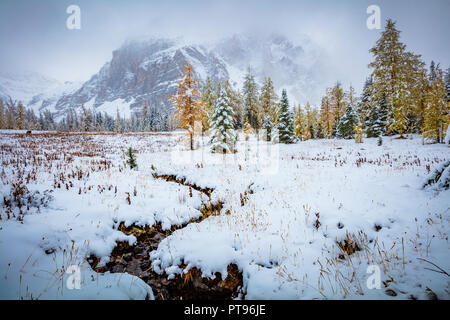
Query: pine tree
[
  {"x": 347, "y": 123},
  {"x": 235, "y": 99},
  {"x": 250, "y": 99},
  {"x": 187, "y": 102},
  {"x": 285, "y": 122},
  {"x": 365, "y": 103},
  {"x": 118, "y": 125},
  {"x": 437, "y": 108},
  {"x": 377, "y": 119},
  {"x": 267, "y": 126},
  {"x": 131, "y": 161},
  {"x": 268, "y": 100},
  {"x": 209, "y": 97},
  {"x": 223, "y": 137}
]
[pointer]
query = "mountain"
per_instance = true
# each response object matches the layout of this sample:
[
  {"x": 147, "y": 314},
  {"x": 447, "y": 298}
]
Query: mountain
[
  {"x": 149, "y": 69},
  {"x": 22, "y": 86},
  {"x": 144, "y": 70},
  {"x": 34, "y": 90}
]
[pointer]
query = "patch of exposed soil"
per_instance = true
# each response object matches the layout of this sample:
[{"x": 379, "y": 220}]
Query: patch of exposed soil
[{"x": 135, "y": 260}]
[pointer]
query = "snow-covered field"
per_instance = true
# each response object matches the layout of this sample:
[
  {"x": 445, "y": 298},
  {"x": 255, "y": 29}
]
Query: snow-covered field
[{"x": 301, "y": 221}]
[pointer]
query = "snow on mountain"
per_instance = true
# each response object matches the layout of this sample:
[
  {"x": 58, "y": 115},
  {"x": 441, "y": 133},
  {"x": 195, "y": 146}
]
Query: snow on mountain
[
  {"x": 142, "y": 70},
  {"x": 49, "y": 98},
  {"x": 24, "y": 86},
  {"x": 149, "y": 69}
]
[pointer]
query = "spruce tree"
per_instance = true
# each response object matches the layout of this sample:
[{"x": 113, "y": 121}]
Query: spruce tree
[
  {"x": 377, "y": 119},
  {"x": 347, "y": 123},
  {"x": 131, "y": 161},
  {"x": 209, "y": 96},
  {"x": 365, "y": 103},
  {"x": 285, "y": 122},
  {"x": 267, "y": 126},
  {"x": 223, "y": 137}
]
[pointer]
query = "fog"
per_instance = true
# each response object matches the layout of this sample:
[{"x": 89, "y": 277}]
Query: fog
[{"x": 34, "y": 35}]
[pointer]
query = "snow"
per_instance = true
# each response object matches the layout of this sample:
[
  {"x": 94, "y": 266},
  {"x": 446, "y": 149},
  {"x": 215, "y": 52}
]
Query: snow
[
  {"x": 110, "y": 107},
  {"x": 268, "y": 224}
]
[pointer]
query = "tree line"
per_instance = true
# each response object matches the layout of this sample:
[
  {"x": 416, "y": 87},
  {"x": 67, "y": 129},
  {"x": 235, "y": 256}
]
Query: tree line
[{"x": 401, "y": 96}]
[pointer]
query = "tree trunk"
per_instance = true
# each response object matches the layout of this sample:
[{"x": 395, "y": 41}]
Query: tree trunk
[{"x": 191, "y": 137}]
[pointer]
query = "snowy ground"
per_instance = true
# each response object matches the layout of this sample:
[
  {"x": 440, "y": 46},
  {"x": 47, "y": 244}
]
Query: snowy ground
[{"x": 286, "y": 208}]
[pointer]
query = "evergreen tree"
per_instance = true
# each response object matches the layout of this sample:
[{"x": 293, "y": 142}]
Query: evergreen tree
[
  {"x": 235, "y": 98},
  {"x": 250, "y": 99},
  {"x": 365, "y": 103},
  {"x": 187, "y": 102},
  {"x": 267, "y": 126},
  {"x": 285, "y": 122},
  {"x": 347, "y": 123},
  {"x": 118, "y": 125},
  {"x": 209, "y": 97},
  {"x": 131, "y": 161},
  {"x": 223, "y": 138},
  {"x": 377, "y": 119}
]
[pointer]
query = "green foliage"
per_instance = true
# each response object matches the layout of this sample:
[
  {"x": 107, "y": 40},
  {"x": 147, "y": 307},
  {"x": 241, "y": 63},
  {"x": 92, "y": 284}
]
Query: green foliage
[
  {"x": 131, "y": 161},
  {"x": 285, "y": 121}
]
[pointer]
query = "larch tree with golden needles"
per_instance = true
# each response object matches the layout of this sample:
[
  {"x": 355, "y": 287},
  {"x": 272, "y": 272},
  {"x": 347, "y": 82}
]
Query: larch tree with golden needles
[
  {"x": 326, "y": 117},
  {"x": 188, "y": 102},
  {"x": 299, "y": 122},
  {"x": 436, "y": 108}
]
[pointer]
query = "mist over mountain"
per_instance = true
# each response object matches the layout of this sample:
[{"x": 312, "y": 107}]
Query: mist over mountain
[{"x": 150, "y": 68}]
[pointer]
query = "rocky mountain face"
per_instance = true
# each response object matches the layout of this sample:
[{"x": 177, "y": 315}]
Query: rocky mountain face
[
  {"x": 150, "y": 70},
  {"x": 139, "y": 71}
]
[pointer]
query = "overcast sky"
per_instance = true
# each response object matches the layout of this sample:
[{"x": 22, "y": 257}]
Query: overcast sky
[{"x": 33, "y": 34}]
